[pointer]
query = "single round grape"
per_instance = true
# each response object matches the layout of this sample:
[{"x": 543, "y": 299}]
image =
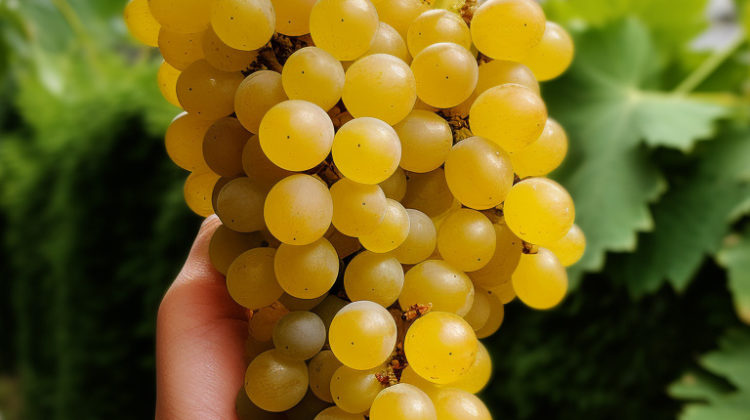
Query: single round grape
[
  {"x": 251, "y": 281},
  {"x": 261, "y": 324},
  {"x": 478, "y": 173},
  {"x": 552, "y": 55},
  {"x": 167, "y": 80},
  {"x": 296, "y": 304},
  {"x": 507, "y": 29},
  {"x": 293, "y": 16},
  {"x": 497, "y": 315},
  {"x": 540, "y": 281},
  {"x": 402, "y": 402},
  {"x": 246, "y": 410},
  {"x": 231, "y": 19},
  {"x": 180, "y": 50},
  {"x": 440, "y": 346},
  {"x": 222, "y": 147},
  {"x": 354, "y": 390},
  {"x": 141, "y": 22},
  {"x": 388, "y": 41},
  {"x": 222, "y": 56},
  {"x": 391, "y": 233},
  {"x": 366, "y": 150},
  {"x": 457, "y": 404},
  {"x": 226, "y": 245},
  {"x": 197, "y": 192},
  {"x": 298, "y": 210},
  {"x": 480, "y": 310},
  {"x": 296, "y": 135},
  {"x": 358, "y": 209},
  {"x": 258, "y": 167},
  {"x": 495, "y": 73},
  {"x": 240, "y": 205},
  {"x": 321, "y": 369},
  {"x": 437, "y": 283},
  {"x": 409, "y": 376},
  {"x": 335, "y": 413},
  {"x": 428, "y": 193},
  {"x": 421, "y": 241},
  {"x": 258, "y": 93},
  {"x": 435, "y": 26},
  {"x": 207, "y": 92},
  {"x": 478, "y": 375},
  {"x": 307, "y": 271},
  {"x": 570, "y": 248},
  {"x": 184, "y": 142},
  {"x": 543, "y": 155},
  {"x": 344, "y": 28},
  {"x": 192, "y": 17},
  {"x": 508, "y": 250},
  {"x": 446, "y": 74},
  {"x": 426, "y": 139},
  {"x": 274, "y": 382},
  {"x": 307, "y": 408},
  {"x": 362, "y": 335},
  {"x": 314, "y": 75},
  {"x": 466, "y": 239},
  {"x": 395, "y": 186},
  {"x": 374, "y": 277},
  {"x": 345, "y": 245},
  {"x": 539, "y": 210},
  {"x": 380, "y": 86},
  {"x": 328, "y": 308},
  {"x": 400, "y": 13},
  {"x": 299, "y": 335}
]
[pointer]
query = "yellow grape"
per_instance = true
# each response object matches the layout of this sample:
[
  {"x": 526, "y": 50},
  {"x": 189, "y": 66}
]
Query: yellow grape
[
  {"x": 217, "y": 190},
  {"x": 293, "y": 16},
  {"x": 222, "y": 147},
  {"x": 366, "y": 150},
  {"x": 358, "y": 209},
  {"x": 375, "y": 277},
  {"x": 185, "y": 16},
  {"x": 495, "y": 73},
  {"x": 426, "y": 139},
  {"x": 206, "y": 92},
  {"x": 478, "y": 375},
  {"x": 362, "y": 335},
  {"x": 307, "y": 271},
  {"x": 504, "y": 292},
  {"x": 540, "y": 281},
  {"x": 553, "y": 55},
  {"x": 513, "y": 116},
  {"x": 314, "y": 75},
  {"x": 246, "y": 410},
  {"x": 497, "y": 315},
  {"x": 457, "y": 404},
  {"x": 251, "y": 281},
  {"x": 328, "y": 308},
  {"x": 354, "y": 390},
  {"x": 167, "y": 80},
  {"x": 197, "y": 191},
  {"x": 184, "y": 142},
  {"x": 141, "y": 22},
  {"x": 321, "y": 369},
  {"x": 296, "y": 304},
  {"x": 544, "y": 155},
  {"x": 391, "y": 233},
  {"x": 409, "y": 376},
  {"x": 434, "y": 26},
  {"x": 388, "y": 41},
  {"x": 240, "y": 205},
  {"x": 345, "y": 245},
  {"x": 231, "y": 20},
  {"x": 180, "y": 50},
  {"x": 395, "y": 186},
  {"x": 446, "y": 74},
  {"x": 428, "y": 193},
  {"x": 226, "y": 245},
  {"x": 260, "y": 326},
  {"x": 466, "y": 239},
  {"x": 400, "y": 13},
  {"x": 507, "y": 29},
  {"x": 402, "y": 402},
  {"x": 479, "y": 173},
  {"x": 298, "y": 210},
  {"x": 258, "y": 93},
  {"x": 258, "y": 167},
  {"x": 508, "y": 250},
  {"x": 480, "y": 310},
  {"x": 306, "y": 409},
  {"x": 274, "y": 382},
  {"x": 421, "y": 241},
  {"x": 222, "y": 56},
  {"x": 437, "y": 283},
  {"x": 299, "y": 335},
  {"x": 539, "y": 210},
  {"x": 380, "y": 86},
  {"x": 570, "y": 248},
  {"x": 335, "y": 413},
  {"x": 344, "y": 28},
  {"x": 296, "y": 135}
]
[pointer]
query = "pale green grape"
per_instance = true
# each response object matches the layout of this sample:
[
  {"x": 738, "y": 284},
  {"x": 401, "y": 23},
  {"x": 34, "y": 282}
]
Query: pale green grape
[
  {"x": 446, "y": 74},
  {"x": 552, "y": 55},
  {"x": 570, "y": 248},
  {"x": 328, "y": 308},
  {"x": 358, "y": 209},
  {"x": 457, "y": 404},
  {"x": 508, "y": 250},
  {"x": 478, "y": 375},
  {"x": 480, "y": 310},
  {"x": 402, "y": 402},
  {"x": 167, "y": 80},
  {"x": 299, "y": 335},
  {"x": 400, "y": 13},
  {"x": 544, "y": 155},
  {"x": 206, "y": 92},
  {"x": 495, "y": 73},
  {"x": 437, "y": 283},
  {"x": 353, "y": 390},
  {"x": 466, "y": 239},
  {"x": 335, "y": 413},
  {"x": 362, "y": 335},
  {"x": 496, "y": 317},
  {"x": 321, "y": 369},
  {"x": 185, "y": 16},
  {"x": 258, "y": 167},
  {"x": 314, "y": 75},
  {"x": 180, "y": 50},
  {"x": 366, "y": 150},
  {"x": 231, "y": 20},
  {"x": 222, "y": 56},
  {"x": 307, "y": 271},
  {"x": 395, "y": 186},
  {"x": 226, "y": 245},
  {"x": 222, "y": 147},
  {"x": 251, "y": 281},
  {"x": 296, "y": 304},
  {"x": 380, "y": 86},
  {"x": 391, "y": 232},
  {"x": 540, "y": 281},
  {"x": 298, "y": 210},
  {"x": 260, "y": 326},
  {"x": 141, "y": 22},
  {"x": 184, "y": 142},
  {"x": 539, "y": 210},
  {"x": 274, "y": 382},
  {"x": 258, "y": 93},
  {"x": 374, "y": 277},
  {"x": 428, "y": 193},
  {"x": 434, "y": 26},
  {"x": 344, "y": 28},
  {"x": 421, "y": 241},
  {"x": 197, "y": 192},
  {"x": 478, "y": 173},
  {"x": 426, "y": 139},
  {"x": 293, "y": 16},
  {"x": 240, "y": 205},
  {"x": 507, "y": 29}
]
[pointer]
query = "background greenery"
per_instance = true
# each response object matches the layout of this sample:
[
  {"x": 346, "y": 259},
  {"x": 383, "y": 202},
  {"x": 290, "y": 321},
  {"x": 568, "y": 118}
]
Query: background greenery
[{"x": 94, "y": 227}]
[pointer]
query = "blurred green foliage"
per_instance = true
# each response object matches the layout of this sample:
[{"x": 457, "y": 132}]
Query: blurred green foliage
[{"x": 94, "y": 227}]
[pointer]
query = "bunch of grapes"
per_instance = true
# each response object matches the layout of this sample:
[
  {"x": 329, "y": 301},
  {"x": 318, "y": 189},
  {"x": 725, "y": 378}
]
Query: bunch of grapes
[{"x": 378, "y": 167}]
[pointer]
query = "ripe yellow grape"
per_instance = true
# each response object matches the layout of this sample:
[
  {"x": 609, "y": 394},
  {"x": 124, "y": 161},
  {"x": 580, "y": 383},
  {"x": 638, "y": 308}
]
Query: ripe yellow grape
[
  {"x": 495, "y": 73},
  {"x": 457, "y": 404},
  {"x": 141, "y": 22},
  {"x": 466, "y": 239},
  {"x": 497, "y": 315},
  {"x": 222, "y": 56},
  {"x": 321, "y": 369},
  {"x": 434, "y": 26},
  {"x": 345, "y": 245},
  {"x": 446, "y": 74},
  {"x": 428, "y": 193},
  {"x": 314, "y": 75},
  {"x": 197, "y": 191},
  {"x": 400, "y": 13},
  {"x": 309, "y": 407},
  {"x": 298, "y": 210},
  {"x": 507, "y": 29},
  {"x": 409, "y": 376},
  {"x": 206, "y": 92},
  {"x": 184, "y": 142},
  {"x": 231, "y": 20},
  {"x": 380, "y": 86},
  {"x": 426, "y": 139},
  {"x": 258, "y": 167},
  {"x": 274, "y": 382},
  {"x": 246, "y": 410},
  {"x": 167, "y": 80},
  {"x": 437, "y": 283},
  {"x": 217, "y": 190},
  {"x": 358, "y": 209},
  {"x": 395, "y": 186},
  {"x": 260, "y": 326},
  {"x": 299, "y": 335},
  {"x": 222, "y": 147},
  {"x": 366, "y": 150},
  {"x": 544, "y": 155},
  {"x": 293, "y": 16},
  {"x": 553, "y": 55},
  {"x": 440, "y": 346},
  {"x": 185, "y": 16},
  {"x": 513, "y": 116},
  {"x": 296, "y": 135},
  {"x": 296, "y": 304},
  {"x": 421, "y": 241},
  {"x": 354, "y": 390},
  {"x": 479, "y": 173},
  {"x": 375, "y": 277},
  {"x": 335, "y": 413},
  {"x": 226, "y": 245},
  {"x": 344, "y": 28},
  {"x": 240, "y": 205},
  {"x": 307, "y": 271},
  {"x": 391, "y": 232},
  {"x": 362, "y": 335},
  {"x": 480, "y": 310},
  {"x": 504, "y": 292},
  {"x": 540, "y": 281},
  {"x": 388, "y": 41},
  {"x": 180, "y": 50},
  {"x": 328, "y": 308},
  {"x": 570, "y": 248},
  {"x": 478, "y": 375},
  {"x": 258, "y": 93},
  {"x": 402, "y": 402},
  {"x": 508, "y": 250},
  {"x": 251, "y": 281},
  {"x": 539, "y": 210}
]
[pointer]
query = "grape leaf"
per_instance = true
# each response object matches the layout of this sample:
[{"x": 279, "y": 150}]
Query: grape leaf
[{"x": 735, "y": 256}]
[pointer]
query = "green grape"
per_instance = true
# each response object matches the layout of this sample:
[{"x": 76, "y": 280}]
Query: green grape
[
  {"x": 374, "y": 277},
  {"x": 197, "y": 192},
  {"x": 507, "y": 29},
  {"x": 426, "y": 139},
  {"x": 466, "y": 240},
  {"x": 206, "y": 92},
  {"x": 496, "y": 317},
  {"x": 226, "y": 245},
  {"x": 344, "y": 28},
  {"x": 141, "y": 22},
  {"x": 400, "y": 13},
  {"x": 246, "y": 410},
  {"x": 299, "y": 335},
  {"x": 274, "y": 382},
  {"x": 513, "y": 116},
  {"x": 307, "y": 271},
  {"x": 421, "y": 241},
  {"x": 478, "y": 375},
  {"x": 354, "y": 390},
  {"x": 480, "y": 310},
  {"x": 440, "y": 346},
  {"x": 314, "y": 75},
  {"x": 240, "y": 205},
  {"x": 539, "y": 210},
  {"x": 222, "y": 56},
  {"x": 185, "y": 16},
  {"x": 428, "y": 193},
  {"x": 184, "y": 142},
  {"x": 258, "y": 167},
  {"x": 408, "y": 376},
  {"x": 402, "y": 402},
  {"x": 362, "y": 335},
  {"x": 388, "y": 41},
  {"x": 358, "y": 209},
  {"x": 307, "y": 408},
  {"x": 345, "y": 245},
  {"x": 478, "y": 173},
  {"x": 552, "y": 55},
  {"x": 296, "y": 304},
  {"x": 328, "y": 308},
  {"x": 495, "y": 73},
  {"x": 180, "y": 50},
  {"x": 540, "y": 281},
  {"x": 251, "y": 281},
  {"x": 258, "y": 93},
  {"x": 366, "y": 150},
  {"x": 543, "y": 155},
  {"x": 335, "y": 413},
  {"x": 321, "y": 369},
  {"x": 391, "y": 233},
  {"x": 570, "y": 248},
  {"x": 293, "y": 16},
  {"x": 261, "y": 324},
  {"x": 437, "y": 283},
  {"x": 435, "y": 26},
  {"x": 296, "y": 135},
  {"x": 222, "y": 147},
  {"x": 457, "y": 404},
  {"x": 298, "y": 210},
  {"x": 232, "y": 18},
  {"x": 508, "y": 250},
  {"x": 167, "y": 80},
  {"x": 395, "y": 186},
  {"x": 446, "y": 74},
  {"x": 380, "y": 86}
]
